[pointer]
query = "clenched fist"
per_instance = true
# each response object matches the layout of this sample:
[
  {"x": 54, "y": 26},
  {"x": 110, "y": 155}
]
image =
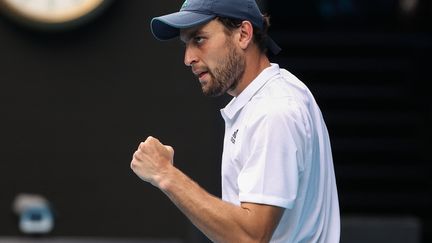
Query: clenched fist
[{"x": 152, "y": 160}]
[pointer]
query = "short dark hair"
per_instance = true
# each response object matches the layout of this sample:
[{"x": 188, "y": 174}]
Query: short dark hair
[{"x": 259, "y": 34}]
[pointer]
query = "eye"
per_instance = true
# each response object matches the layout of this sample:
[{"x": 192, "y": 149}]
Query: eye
[{"x": 198, "y": 40}]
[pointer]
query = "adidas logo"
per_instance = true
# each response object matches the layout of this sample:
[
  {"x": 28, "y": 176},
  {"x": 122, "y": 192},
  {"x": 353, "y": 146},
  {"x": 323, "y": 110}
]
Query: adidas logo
[{"x": 233, "y": 137}]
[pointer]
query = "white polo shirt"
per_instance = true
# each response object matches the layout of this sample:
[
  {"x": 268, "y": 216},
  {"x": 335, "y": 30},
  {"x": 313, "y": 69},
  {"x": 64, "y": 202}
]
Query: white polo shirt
[{"x": 277, "y": 152}]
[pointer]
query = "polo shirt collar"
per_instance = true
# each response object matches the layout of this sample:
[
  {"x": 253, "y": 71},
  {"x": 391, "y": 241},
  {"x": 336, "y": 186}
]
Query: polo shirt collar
[{"x": 237, "y": 103}]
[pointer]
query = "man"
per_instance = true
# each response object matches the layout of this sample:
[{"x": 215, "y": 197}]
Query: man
[{"x": 278, "y": 182}]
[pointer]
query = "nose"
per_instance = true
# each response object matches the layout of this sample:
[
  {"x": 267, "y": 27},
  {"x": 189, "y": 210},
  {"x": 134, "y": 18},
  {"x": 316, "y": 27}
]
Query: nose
[{"x": 190, "y": 56}]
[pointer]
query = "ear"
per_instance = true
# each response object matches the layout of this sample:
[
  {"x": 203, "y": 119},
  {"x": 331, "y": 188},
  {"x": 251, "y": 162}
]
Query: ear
[{"x": 246, "y": 34}]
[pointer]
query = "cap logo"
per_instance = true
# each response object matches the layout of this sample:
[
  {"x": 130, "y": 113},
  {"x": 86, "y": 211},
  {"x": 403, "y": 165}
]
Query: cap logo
[{"x": 185, "y": 4}]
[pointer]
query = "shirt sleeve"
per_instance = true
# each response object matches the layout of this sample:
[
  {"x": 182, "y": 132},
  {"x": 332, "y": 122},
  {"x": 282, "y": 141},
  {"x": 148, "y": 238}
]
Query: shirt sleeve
[{"x": 274, "y": 157}]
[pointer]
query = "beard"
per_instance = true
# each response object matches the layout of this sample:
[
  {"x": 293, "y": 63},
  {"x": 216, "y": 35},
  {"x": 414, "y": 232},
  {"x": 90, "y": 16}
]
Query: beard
[{"x": 227, "y": 74}]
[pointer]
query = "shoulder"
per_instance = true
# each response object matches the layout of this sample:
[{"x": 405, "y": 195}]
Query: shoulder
[
  {"x": 276, "y": 113},
  {"x": 279, "y": 108},
  {"x": 277, "y": 100}
]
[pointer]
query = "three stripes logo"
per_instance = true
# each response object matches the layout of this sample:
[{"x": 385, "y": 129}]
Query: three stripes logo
[{"x": 234, "y": 136}]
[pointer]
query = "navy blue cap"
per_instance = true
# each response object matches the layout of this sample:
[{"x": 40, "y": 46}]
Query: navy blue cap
[{"x": 197, "y": 12}]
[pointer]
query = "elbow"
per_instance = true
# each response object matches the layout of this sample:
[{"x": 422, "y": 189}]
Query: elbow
[
  {"x": 257, "y": 240},
  {"x": 256, "y": 237},
  {"x": 245, "y": 238},
  {"x": 261, "y": 239},
  {"x": 240, "y": 236}
]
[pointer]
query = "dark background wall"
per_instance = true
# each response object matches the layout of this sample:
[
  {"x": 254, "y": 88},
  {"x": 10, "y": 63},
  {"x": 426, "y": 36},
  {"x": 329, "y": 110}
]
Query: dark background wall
[
  {"x": 74, "y": 106},
  {"x": 367, "y": 62}
]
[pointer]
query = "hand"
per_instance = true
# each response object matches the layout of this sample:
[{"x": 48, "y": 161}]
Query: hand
[{"x": 152, "y": 160}]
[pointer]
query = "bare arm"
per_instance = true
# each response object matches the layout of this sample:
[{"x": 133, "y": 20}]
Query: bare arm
[{"x": 220, "y": 221}]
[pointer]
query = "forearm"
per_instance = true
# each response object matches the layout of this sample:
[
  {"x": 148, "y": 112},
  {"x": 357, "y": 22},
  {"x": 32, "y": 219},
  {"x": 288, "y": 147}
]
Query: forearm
[{"x": 220, "y": 221}]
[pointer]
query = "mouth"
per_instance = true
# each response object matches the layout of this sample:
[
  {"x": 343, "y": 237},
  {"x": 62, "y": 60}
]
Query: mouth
[{"x": 200, "y": 74}]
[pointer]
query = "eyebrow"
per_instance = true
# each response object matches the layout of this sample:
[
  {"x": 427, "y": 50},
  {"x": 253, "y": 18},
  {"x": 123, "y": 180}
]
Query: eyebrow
[{"x": 185, "y": 38}]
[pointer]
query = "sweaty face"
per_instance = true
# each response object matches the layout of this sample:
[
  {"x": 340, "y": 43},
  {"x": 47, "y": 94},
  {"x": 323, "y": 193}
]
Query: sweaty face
[{"x": 214, "y": 58}]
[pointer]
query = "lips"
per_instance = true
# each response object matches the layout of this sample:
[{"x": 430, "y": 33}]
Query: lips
[{"x": 200, "y": 75}]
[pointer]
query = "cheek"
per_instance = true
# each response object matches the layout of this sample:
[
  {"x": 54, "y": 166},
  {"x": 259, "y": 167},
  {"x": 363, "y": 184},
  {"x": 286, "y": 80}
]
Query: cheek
[{"x": 217, "y": 58}]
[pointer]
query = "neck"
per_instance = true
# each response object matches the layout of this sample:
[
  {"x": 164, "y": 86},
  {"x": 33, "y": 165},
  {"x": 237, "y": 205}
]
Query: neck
[{"x": 255, "y": 64}]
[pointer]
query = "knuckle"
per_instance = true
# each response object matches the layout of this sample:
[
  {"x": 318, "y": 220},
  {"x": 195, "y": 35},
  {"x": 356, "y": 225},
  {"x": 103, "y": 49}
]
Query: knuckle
[
  {"x": 137, "y": 156},
  {"x": 141, "y": 145},
  {"x": 170, "y": 149},
  {"x": 152, "y": 139}
]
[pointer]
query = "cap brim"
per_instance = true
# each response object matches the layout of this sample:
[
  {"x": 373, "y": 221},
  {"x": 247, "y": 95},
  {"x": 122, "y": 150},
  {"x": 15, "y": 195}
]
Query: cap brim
[{"x": 168, "y": 26}]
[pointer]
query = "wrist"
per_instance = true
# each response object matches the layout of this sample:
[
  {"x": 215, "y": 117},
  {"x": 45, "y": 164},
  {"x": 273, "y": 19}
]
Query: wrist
[{"x": 164, "y": 180}]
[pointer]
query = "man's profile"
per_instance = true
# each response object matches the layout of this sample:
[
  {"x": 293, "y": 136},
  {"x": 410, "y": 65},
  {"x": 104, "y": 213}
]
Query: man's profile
[{"x": 278, "y": 182}]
